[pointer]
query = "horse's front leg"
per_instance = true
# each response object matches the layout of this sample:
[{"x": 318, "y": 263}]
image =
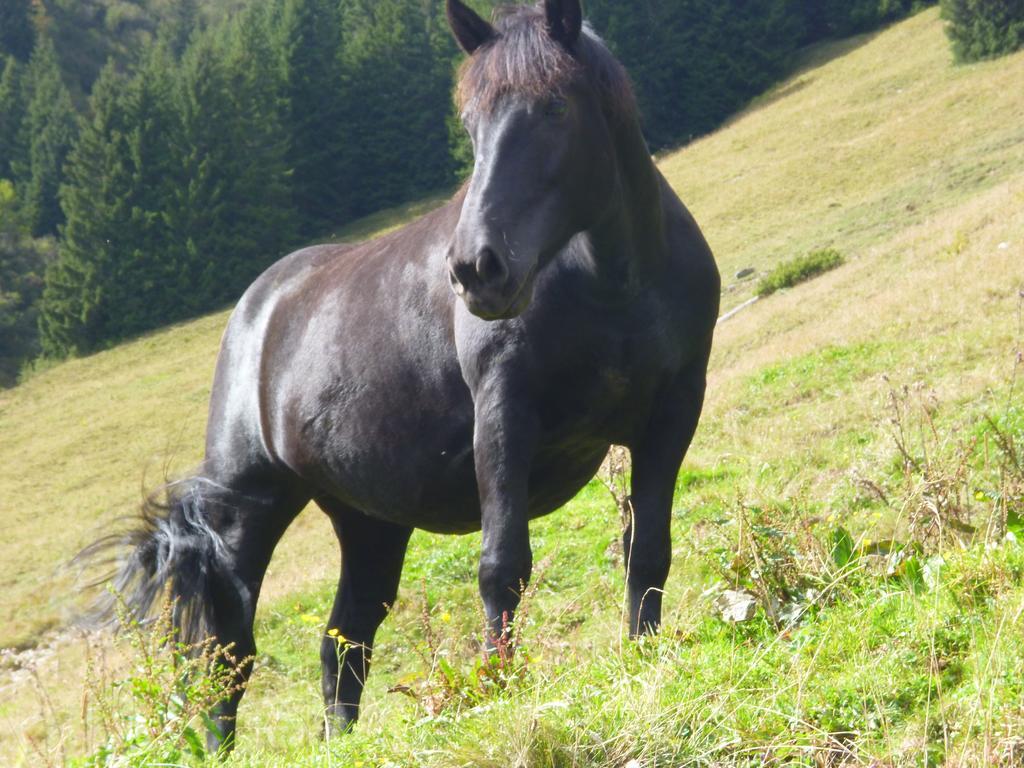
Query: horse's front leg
[
  {"x": 504, "y": 440},
  {"x": 656, "y": 457}
]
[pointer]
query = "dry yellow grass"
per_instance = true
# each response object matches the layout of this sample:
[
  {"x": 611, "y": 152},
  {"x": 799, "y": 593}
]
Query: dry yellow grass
[
  {"x": 81, "y": 443},
  {"x": 853, "y": 150}
]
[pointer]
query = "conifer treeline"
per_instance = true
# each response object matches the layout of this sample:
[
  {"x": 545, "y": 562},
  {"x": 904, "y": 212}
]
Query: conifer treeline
[
  {"x": 207, "y": 148},
  {"x": 984, "y": 29},
  {"x": 188, "y": 174}
]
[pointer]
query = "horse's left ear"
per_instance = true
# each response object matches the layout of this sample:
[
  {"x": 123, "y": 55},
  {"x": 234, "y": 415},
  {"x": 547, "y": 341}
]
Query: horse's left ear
[
  {"x": 469, "y": 29},
  {"x": 565, "y": 20}
]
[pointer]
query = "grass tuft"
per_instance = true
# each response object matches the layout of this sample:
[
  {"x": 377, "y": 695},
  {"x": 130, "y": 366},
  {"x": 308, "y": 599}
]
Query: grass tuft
[{"x": 798, "y": 270}]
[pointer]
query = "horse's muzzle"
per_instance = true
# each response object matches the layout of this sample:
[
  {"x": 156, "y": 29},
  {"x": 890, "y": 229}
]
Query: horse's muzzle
[{"x": 484, "y": 282}]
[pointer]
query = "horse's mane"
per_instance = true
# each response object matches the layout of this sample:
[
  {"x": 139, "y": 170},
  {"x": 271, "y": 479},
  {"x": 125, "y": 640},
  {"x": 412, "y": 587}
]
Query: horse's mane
[{"x": 524, "y": 59}]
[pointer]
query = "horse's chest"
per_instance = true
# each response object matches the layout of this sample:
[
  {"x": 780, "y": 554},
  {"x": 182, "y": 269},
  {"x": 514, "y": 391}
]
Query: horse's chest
[{"x": 608, "y": 394}]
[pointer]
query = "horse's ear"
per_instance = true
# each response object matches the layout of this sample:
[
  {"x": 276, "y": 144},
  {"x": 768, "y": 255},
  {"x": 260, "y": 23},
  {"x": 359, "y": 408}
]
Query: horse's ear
[
  {"x": 565, "y": 20},
  {"x": 469, "y": 29}
]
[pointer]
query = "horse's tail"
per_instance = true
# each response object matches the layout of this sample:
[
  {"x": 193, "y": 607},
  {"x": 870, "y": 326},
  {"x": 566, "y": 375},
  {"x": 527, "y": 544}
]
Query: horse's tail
[{"x": 170, "y": 552}]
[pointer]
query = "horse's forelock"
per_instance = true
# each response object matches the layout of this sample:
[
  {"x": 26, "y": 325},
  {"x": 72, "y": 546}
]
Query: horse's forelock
[{"x": 524, "y": 59}]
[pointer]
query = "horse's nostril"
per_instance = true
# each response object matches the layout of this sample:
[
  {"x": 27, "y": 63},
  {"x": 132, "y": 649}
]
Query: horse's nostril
[
  {"x": 491, "y": 268},
  {"x": 463, "y": 276},
  {"x": 456, "y": 285}
]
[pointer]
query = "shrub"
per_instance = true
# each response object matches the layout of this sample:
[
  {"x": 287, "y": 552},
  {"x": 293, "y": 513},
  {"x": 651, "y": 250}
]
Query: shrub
[
  {"x": 447, "y": 687},
  {"x": 158, "y": 713},
  {"x": 794, "y": 271},
  {"x": 984, "y": 29}
]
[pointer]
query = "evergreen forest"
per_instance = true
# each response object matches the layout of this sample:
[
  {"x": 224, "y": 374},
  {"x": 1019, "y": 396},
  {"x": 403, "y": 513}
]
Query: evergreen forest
[{"x": 157, "y": 155}]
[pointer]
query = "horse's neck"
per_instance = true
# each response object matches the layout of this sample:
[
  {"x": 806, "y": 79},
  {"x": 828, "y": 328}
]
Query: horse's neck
[{"x": 627, "y": 246}]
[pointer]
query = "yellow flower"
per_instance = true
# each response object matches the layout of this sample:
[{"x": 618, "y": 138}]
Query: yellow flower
[
  {"x": 339, "y": 638},
  {"x": 446, "y": 616},
  {"x": 309, "y": 618}
]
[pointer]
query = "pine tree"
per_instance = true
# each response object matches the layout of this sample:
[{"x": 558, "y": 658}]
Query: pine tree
[
  {"x": 49, "y": 131},
  {"x": 265, "y": 206},
  {"x": 398, "y": 135},
  {"x": 17, "y": 35},
  {"x": 21, "y": 282},
  {"x": 316, "y": 119},
  {"x": 12, "y": 113},
  {"x": 841, "y": 18},
  {"x": 232, "y": 215},
  {"x": 177, "y": 27},
  {"x": 112, "y": 268},
  {"x": 694, "y": 62},
  {"x": 983, "y": 29}
]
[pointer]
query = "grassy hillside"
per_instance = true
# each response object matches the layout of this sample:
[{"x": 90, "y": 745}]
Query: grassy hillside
[{"x": 853, "y": 403}]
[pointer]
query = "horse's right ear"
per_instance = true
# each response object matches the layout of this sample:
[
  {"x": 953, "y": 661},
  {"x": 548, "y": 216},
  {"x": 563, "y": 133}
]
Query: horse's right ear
[{"x": 470, "y": 30}]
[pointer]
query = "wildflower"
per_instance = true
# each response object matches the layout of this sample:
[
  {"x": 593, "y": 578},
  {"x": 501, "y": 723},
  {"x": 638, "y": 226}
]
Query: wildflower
[
  {"x": 339, "y": 638},
  {"x": 309, "y": 618},
  {"x": 446, "y": 617}
]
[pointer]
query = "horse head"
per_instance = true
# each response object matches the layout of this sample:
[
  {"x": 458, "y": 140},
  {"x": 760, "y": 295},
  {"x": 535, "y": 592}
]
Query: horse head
[{"x": 537, "y": 96}]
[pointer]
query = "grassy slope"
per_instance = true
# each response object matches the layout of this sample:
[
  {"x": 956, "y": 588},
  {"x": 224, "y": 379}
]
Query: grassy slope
[{"x": 913, "y": 170}]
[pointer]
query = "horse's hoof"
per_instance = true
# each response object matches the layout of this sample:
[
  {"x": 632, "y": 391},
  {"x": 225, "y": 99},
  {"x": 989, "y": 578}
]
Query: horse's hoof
[{"x": 335, "y": 726}]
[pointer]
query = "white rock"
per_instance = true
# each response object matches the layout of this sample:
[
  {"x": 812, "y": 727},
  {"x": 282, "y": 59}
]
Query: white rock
[
  {"x": 736, "y": 606},
  {"x": 932, "y": 571}
]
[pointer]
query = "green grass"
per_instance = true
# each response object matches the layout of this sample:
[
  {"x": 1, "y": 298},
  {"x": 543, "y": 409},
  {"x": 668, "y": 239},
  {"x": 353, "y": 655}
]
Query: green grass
[
  {"x": 878, "y": 148},
  {"x": 798, "y": 270},
  {"x": 387, "y": 220}
]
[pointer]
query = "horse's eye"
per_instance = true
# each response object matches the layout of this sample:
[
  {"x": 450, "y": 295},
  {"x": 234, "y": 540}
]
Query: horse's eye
[{"x": 557, "y": 107}]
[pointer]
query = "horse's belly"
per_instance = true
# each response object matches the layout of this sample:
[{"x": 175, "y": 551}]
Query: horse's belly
[
  {"x": 433, "y": 486},
  {"x": 400, "y": 448},
  {"x": 560, "y": 471},
  {"x": 415, "y": 474},
  {"x": 556, "y": 476}
]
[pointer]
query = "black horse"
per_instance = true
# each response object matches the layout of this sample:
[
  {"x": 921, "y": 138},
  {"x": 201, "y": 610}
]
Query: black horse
[{"x": 467, "y": 371}]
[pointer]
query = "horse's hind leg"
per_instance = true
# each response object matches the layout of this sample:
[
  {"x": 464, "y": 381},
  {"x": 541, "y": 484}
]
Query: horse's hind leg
[
  {"x": 372, "y": 553},
  {"x": 209, "y": 545},
  {"x": 252, "y": 524}
]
